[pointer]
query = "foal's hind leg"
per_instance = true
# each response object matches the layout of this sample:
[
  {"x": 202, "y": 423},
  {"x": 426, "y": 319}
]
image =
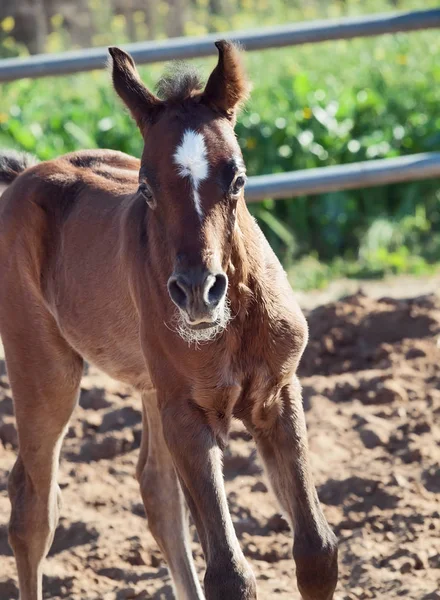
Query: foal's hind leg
[
  {"x": 44, "y": 373},
  {"x": 283, "y": 447},
  {"x": 164, "y": 503}
]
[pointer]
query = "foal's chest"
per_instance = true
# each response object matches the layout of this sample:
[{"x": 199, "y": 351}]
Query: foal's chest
[{"x": 249, "y": 392}]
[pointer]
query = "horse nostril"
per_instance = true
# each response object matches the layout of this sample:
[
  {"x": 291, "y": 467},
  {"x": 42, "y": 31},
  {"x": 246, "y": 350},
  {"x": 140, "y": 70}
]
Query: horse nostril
[
  {"x": 178, "y": 291},
  {"x": 216, "y": 288}
]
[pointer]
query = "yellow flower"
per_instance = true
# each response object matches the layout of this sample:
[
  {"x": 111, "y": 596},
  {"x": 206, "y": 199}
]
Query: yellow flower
[
  {"x": 402, "y": 59},
  {"x": 3, "y": 117},
  {"x": 119, "y": 21},
  {"x": 251, "y": 143},
  {"x": 8, "y": 24},
  {"x": 307, "y": 112},
  {"x": 57, "y": 21}
]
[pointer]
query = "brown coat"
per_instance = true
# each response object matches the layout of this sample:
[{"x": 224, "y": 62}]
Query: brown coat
[{"x": 86, "y": 260}]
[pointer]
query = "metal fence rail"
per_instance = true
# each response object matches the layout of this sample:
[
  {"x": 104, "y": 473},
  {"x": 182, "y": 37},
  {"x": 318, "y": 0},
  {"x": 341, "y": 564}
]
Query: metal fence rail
[
  {"x": 257, "y": 39},
  {"x": 344, "y": 177},
  {"x": 284, "y": 185}
]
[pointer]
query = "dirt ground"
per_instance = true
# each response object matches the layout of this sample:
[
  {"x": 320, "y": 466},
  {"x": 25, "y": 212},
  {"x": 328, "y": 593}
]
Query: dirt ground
[{"x": 371, "y": 379}]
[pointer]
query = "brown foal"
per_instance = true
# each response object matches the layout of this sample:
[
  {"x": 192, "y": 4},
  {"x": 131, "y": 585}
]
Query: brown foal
[{"x": 155, "y": 271}]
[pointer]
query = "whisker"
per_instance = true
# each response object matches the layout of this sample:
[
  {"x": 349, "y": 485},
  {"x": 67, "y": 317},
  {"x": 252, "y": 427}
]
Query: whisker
[{"x": 198, "y": 337}]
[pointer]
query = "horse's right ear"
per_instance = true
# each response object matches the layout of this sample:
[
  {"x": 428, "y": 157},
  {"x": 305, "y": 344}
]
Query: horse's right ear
[{"x": 143, "y": 105}]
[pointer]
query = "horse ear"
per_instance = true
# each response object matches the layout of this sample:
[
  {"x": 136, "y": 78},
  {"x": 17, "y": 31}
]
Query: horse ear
[
  {"x": 228, "y": 86},
  {"x": 143, "y": 104}
]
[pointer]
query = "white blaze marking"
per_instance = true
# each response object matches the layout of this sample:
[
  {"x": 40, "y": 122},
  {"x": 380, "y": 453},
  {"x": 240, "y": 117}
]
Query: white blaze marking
[{"x": 191, "y": 159}]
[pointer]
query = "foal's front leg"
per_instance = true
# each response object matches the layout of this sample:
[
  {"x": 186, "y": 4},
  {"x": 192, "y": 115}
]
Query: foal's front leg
[
  {"x": 282, "y": 443},
  {"x": 164, "y": 503},
  {"x": 198, "y": 461}
]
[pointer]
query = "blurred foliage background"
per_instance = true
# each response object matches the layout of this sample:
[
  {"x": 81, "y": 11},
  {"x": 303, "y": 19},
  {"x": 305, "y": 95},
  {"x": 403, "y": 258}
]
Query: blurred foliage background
[{"x": 315, "y": 105}]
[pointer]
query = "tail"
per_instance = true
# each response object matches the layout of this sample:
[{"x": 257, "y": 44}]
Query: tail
[{"x": 13, "y": 163}]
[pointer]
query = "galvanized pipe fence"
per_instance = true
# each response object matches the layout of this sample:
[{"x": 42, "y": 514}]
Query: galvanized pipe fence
[{"x": 285, "y": 185}]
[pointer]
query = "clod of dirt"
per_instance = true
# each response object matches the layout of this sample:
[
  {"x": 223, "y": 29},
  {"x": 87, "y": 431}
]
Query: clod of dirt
[
  {"x": 8, "y": 432},
  {"x": 4, "y": 474},
  {"x": 106, "y": 446},
  {"x": 269, "y": 550},
  {"x": 92, "y": 397},
  {"x": 126, "y": 594},
  {"x": 60, "y": 587},
  {"x": 165, "y": 593},
  {"x": 277, "y": 523},
  {"x": 135, "y": 554},
  {"x": 431, "y": 479},
  {"x": 8, "y": 589},
  {"x": 126, "y": 416},
  {"x": 373, "y": 436},
  {"x": 73, "y": 534},
  {"x": 415, "y": 352},
  {"x": 373, "y": 431},
  {"x": 114, "y": 573},
  {"x": 240, "y": 459},
  {"x": 260, "y": 486},
  {"x": 389, "y": 392},
  {"x": 6, "y": 404}
]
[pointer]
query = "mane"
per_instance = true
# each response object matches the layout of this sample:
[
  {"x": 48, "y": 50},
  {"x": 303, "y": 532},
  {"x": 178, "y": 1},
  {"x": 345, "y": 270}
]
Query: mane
[
  {"x": 12, "y": 163},
  {"x": 178, "y": 82}
]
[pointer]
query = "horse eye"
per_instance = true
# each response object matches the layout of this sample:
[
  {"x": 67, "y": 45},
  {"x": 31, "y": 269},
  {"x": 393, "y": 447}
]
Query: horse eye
[
  {"x": 147, "y": 193},
  {"x": 145, "y": 190},
  {"x": 238, "y": 184}
]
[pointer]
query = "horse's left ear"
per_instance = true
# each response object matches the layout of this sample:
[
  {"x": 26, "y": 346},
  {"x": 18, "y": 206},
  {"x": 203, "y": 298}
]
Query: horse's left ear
[{"x": 228, "y": 86}]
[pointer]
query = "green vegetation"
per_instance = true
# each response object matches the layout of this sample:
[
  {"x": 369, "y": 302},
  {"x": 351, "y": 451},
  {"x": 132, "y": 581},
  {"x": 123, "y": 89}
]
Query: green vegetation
[{"x": 325, "y": 104}]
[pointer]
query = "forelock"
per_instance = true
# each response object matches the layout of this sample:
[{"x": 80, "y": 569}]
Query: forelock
[{"x": 179, "y": 82}]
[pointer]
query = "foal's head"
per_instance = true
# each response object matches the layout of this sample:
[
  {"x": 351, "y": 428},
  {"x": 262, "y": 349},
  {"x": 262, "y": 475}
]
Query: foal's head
[{"x": 192, "y": 177}]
